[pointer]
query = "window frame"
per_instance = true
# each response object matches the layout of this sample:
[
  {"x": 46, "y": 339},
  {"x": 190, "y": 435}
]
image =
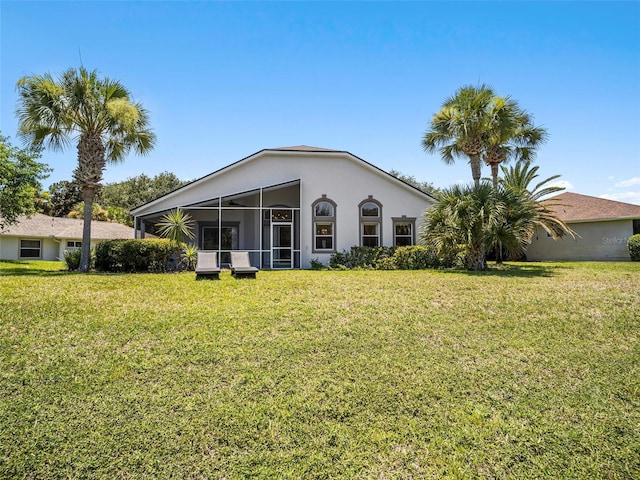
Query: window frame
[
  {"x": 404, "y": 220},
  {"x": 370, "y": 220},
  {"x": 21, "y": 248},
  {"x": 317, "y": 220}
]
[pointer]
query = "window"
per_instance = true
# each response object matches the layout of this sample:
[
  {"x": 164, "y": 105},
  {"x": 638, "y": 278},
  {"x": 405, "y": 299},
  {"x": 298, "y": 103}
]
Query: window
[
  {"x": 71, "y": 245},
  {"x": 30, "y": 249},
  {"x": 636, "y": 226},
  {"x": 228, "y": 234},
  {"x": 403, "y": 231},
  {"x": 370, "y": 234},
  {"x": 370, "y": 222},
  {"x": 324, "y": 225}
]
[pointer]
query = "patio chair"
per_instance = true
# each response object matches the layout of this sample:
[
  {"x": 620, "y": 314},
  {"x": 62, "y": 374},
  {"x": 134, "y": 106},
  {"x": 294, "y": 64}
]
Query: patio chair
[
  {"x": 207, "y": 266},
  {"x": 241, "y": 266}
]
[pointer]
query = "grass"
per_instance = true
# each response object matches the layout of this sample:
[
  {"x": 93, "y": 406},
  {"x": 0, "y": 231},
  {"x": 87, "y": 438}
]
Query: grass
[{"x": 532, "y": 371}]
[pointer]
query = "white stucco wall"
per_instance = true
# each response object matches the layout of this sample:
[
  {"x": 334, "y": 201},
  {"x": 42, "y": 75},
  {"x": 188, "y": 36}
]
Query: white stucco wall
[
  {"x": 605, "y": 240},
  {"x": 344, "y": 179},
  {"x": 50, "y": 249},
  {"x": 10, "y": 248}
]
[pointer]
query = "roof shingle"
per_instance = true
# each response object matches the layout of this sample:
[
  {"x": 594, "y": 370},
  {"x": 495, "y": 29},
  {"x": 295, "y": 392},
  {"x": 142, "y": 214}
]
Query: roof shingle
[
  {"x": 59, "y": 227},
  {"x": 574, "y": 207}
]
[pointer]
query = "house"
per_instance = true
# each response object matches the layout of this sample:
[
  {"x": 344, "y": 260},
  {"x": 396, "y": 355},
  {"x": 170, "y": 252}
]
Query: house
[
  {"x": 46, "y": 238},
  {"x": 602, "y": 227},
  {"x": 290, "y": 205}
]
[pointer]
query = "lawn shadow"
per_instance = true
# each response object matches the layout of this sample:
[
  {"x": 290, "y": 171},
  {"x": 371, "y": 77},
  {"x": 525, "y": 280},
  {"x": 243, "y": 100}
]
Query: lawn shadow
[
  {"x": 19, "y": 268},
  {"x": 510, "y": 270}
]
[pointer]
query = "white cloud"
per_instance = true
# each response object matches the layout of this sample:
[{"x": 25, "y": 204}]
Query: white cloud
[
  {"x": 562, "y": 184},
  {"x": 627, "y": 197},
  {"x": 628, "y": 183}
]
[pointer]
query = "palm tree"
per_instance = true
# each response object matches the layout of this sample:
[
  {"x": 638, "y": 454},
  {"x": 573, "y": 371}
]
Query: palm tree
[
  {"x": 175, "y": 226},
  {"x": 460, "y": 127},
  {"x": 461, "y": 222},
  {"x": 97, "y": 114},
  {"x": 510, "y": 135},
  {"x": 517, "y": 179}
]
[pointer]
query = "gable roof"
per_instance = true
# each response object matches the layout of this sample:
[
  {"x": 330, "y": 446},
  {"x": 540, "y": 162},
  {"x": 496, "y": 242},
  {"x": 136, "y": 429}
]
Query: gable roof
[
  {"x": 59, "y": 227},
  {"x": 574, "y": 207},
  {"x": 306, "y": 148},
  {"x": 302, "y": 149}
]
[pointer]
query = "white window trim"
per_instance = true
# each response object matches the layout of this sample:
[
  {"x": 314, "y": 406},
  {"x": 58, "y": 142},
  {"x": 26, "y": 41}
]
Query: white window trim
[{"x": 323, "y": 220}]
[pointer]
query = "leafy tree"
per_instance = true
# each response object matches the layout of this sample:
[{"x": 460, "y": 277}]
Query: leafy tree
[
  {"x": 96, "y": 112},
  {"x": 426, "y": 187},
  {"x": 20, "y": 176},
  {"x": 136, "y": 191},
  {"x": 97, "y": 212},
  {"x": 63, "y": 196},
  {"x": 459, "y": 128}
]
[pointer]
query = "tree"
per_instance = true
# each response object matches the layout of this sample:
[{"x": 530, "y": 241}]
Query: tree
[
  {"x": 518, "y": 179},
  {"x": 510, "y": 135},
  {"x": 20, "y": 176},
  {"x": 63, "y": 196},
  {"x": 176, "y": 225},
  {"x": 460, "y": 221},
  {"x": 97, "y": 212},
  {"x": 97, "y": 113},
  {"x": 481, "y": 125},
  {"x": 459, "y": 128},
  {"x": 136, "y": 191},
  {"x": 426, "y": 187}
]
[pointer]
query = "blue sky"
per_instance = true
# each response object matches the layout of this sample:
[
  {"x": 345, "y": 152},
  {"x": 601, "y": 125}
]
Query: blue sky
[{"x": 223, "y": 80}]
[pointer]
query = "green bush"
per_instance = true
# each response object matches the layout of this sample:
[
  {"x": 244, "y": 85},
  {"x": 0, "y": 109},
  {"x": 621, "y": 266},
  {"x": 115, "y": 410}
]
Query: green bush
[
  {"x": 634, "y": 247},
  {"x": 389, "y": 258},
  {"x": 72, "y": 259},
  {"x": 415, "y": 258},
  {"x": 147, "y": 255}
]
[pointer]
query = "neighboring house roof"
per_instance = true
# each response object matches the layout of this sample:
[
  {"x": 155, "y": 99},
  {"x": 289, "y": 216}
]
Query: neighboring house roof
[
  {"x": 574, "y": 207},
  {"x": 59, "y": 227},
  {"x": 304, "y": 149}
]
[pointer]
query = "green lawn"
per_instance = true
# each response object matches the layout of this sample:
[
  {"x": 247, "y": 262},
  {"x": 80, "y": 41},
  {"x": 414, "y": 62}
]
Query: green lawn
[{"x": 528, "y": 372}]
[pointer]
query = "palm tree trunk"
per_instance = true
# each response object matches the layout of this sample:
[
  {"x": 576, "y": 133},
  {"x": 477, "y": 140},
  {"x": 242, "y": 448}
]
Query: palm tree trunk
[
  {"x": 494, "y": 175},
  {"x": 88, "y": 194},
  {"x": 474, "y": 160}
]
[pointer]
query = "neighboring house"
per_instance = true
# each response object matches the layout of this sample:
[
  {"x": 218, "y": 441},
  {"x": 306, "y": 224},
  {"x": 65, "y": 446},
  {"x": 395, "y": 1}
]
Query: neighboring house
[
  {"x": 46, "y": 238},
  {"x": 288, "y": 206},
  {"x": 603, "y": 228}
]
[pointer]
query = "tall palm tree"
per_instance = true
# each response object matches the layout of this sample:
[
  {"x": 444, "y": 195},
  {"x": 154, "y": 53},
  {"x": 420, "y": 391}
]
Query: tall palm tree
[
  {"x": 459, "y": 127},
  {"x": 98, "y": 114},
  {"x": 510, "y": 135}
]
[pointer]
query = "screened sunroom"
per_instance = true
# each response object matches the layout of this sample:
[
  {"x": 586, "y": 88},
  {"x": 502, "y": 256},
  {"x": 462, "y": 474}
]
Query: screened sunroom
[{"x": 264, "y": 222}]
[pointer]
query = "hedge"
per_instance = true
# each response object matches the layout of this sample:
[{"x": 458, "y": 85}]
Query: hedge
[
  {"x": 146, "y": 255},
  {"x": 633, "y": 244},
  {"x": 415, "y": 257}
]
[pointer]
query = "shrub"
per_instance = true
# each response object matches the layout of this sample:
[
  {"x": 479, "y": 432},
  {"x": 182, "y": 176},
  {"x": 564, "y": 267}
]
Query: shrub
[
  {"x": 147, "y": 255},
  {"x": 633, "y": 244},
  {"x": 415, "y": 258},
  {"x": 72, "y": 259},
  {"x": 360, "y": 257},
  {"x": 390, "y": 258},
  {"x": 316, "y": 264}
]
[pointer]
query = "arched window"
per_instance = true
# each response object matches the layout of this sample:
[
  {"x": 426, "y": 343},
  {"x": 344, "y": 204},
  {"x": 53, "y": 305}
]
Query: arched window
[
  {"x": 324, "y": 225},
  {"x": 370, "y": 222}
]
